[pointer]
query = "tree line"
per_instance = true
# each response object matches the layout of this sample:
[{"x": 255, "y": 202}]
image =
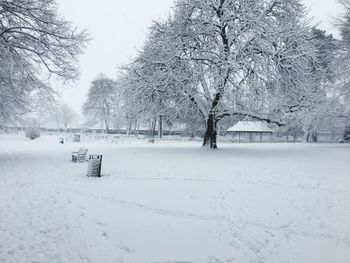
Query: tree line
[{"x": 212, "y": 62}]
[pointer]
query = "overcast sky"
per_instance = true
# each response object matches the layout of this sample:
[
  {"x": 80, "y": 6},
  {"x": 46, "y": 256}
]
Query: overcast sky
[{"x": 119, "y": 27}]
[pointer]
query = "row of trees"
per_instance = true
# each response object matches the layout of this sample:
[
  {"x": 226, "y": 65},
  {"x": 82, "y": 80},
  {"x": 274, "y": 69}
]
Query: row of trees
[
  {"x": 57, "y": 115},
  {"x": 212, "y": 61},
  {"x": 61, "y": 114}
]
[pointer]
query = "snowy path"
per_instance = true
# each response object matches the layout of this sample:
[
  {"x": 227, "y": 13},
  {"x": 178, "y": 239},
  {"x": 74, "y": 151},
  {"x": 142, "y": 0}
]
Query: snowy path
[{"x": 174, "y": 202}]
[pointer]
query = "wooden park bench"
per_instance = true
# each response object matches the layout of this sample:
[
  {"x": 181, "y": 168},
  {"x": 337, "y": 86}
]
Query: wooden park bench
[{"x": 79, "y": 156}]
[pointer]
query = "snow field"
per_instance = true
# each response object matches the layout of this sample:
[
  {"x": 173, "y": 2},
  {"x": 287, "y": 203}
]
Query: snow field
[{"x": 174, "y": 202}]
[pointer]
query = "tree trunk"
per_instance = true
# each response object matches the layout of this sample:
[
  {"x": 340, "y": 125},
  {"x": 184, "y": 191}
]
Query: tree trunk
[
  {"x": 107, "y": 125},
  {"x": 138, "y": 129},
  {"x": 311, "y": 136},
  {"x": 295, "y": 136},
  {"x": 346, "y": 134},
  {"x": 210, "y": 133},
  {"x": 153, "y": 128},
  {"x": 153, "y": 132},
  {"x": 314, "y": 136},
  {"x": 57, "y": 122},
  {"x": 160, "y": 126},
  {"x": 129, "y": 128},
  {"x": 135, "y": 128}
]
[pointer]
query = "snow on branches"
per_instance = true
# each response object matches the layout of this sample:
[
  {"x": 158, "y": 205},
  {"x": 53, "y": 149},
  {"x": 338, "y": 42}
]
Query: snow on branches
[
  {"x": 35, "y": 43},
  {"x": 228, "y": 57}
]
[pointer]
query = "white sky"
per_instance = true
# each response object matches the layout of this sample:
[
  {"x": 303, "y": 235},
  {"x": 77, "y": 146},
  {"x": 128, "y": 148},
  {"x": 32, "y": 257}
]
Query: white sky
[{"x": 119, "y": 27}]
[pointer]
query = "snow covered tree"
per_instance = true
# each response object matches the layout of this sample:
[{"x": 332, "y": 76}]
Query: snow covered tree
[
  {"x": 230, "y": 58},
  {"x": 322, "y": 104},
  {"x": 36, "y": 43},
  {"x": 344, "y": 23},
  {"x": 101, "y": 100},
  {"x": 342, "y": 63},
  {"x": 154, "y": 82},
  {"x": 67, "y": 115}
]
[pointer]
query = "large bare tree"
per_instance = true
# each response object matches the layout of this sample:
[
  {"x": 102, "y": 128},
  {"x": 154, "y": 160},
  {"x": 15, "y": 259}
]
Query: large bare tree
[
  {"x": 36, "y": 43},
  {"x": 230, "y": 58}
]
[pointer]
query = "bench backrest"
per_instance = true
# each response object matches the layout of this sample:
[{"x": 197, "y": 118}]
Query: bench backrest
[{"x": 82, "y": 151}]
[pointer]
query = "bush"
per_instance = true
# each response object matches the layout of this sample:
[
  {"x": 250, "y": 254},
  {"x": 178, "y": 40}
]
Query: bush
[{"x": 32, "y": 132}]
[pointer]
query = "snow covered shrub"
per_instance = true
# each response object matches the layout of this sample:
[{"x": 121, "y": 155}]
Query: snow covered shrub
[
  {"x": 33, "y": 129},
  {"x": 32, "y": 132}
]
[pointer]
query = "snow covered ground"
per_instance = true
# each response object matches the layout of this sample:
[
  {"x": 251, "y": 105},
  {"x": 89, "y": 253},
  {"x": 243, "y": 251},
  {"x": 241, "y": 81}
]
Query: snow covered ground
[{"x": 174, "y": 202}]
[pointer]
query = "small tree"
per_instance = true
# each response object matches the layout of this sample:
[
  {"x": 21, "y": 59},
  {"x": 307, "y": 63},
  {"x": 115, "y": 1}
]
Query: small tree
[{"x": 68, "y": 115}]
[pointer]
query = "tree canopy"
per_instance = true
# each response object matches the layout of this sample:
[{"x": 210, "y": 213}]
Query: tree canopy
[
  {"x": 36, "y": 43},
  {"x": 227, "y": 58}
]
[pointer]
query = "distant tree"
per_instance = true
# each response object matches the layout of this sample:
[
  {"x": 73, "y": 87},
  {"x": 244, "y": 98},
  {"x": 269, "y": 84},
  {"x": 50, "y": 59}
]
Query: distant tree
[
  {"x": 68, "y": 116},
  {"x": 36, "y": 43},
  {"x": 322, "y": 105},
  {"x": 118, "y": 115},
  {"x": 51, "y": 112},
  {"x": 101, "y": 100},
  {"x": 55, "y": 114}
]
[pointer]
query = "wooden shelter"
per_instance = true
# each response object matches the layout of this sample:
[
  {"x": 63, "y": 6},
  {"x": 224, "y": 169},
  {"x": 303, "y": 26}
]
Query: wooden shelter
[{"x": 250, "y": 128}]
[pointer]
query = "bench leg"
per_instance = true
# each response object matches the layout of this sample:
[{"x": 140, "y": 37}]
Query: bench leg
[{"x": 81, "y": 158}]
